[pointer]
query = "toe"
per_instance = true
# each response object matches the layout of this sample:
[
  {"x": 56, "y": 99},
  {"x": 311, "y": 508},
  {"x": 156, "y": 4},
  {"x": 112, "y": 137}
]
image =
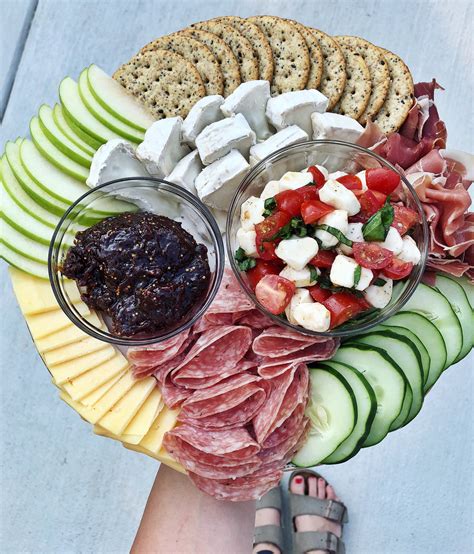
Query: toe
[
  {"x": 312, "y": 486},
  {"x": 297, "y": 484},
  {"x": 321, "y": 488},
  {"x": 331, "y": 493}
]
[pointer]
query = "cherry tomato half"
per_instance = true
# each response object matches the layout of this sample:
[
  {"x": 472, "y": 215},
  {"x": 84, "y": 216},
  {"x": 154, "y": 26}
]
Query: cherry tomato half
[
  {"x": 308, "y": 192},
  {"x": 319, "y": 294},
  {"x": 261, "y": 269},
  {"x": 342, "y": 306},
  {"x": 404, "y": 219},
  {"x": 289, "y": 201},
  {"x": 274, "y": 293},
  {"x": 318, "y": 178},
  {"x": 351, "y": 182},
  {"x": 267, "y": 229},
  {"x": 323, "y": 259},
  {"x": 398, "y": 269},
  {"x": 313, "y": 210},
  {"x": 382, "y": 180},
  {"x": 371, "y": 255},
  {"x": 370, "y": 202}
]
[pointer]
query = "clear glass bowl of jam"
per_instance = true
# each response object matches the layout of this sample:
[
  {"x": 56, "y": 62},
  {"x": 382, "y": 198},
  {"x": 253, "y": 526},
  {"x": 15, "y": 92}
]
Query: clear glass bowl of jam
[{"x": 147, "y": 269}]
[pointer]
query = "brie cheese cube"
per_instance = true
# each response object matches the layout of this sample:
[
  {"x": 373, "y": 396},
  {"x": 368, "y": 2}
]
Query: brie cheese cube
[
  {"x": 343, "y": 270},
  {"x": 250, "y": 99},
  {"x": 217, "y": 183},
  {"x": 409, "y": 252},
  {"x": 379, "y": 297},
  {"x": 363, "y": 179},
  {"x": 393, "y": 241},
  {"x": 300, "y": 277},
  {"x": 295, "y": 108},
  {"x": 271, "y": 188},
  {"x": 293, "y": 180},
  {"x": 354, "y": 233},
  {"x": 315, "y": 316},
  {"x": 203, "y": 113},
  {"x": 218, "y": 139},
  {"x": 297, "y": 252},
  {"x": 185, "y": 172},
  {"x": 301, "y": 296},
  {"x": 333, "y": 126},
  {"x": 246, "y": 240},
  {"x": 251, "y": 212},
  {"x": 336, "y": 219},
  {"x": 162, "y": 149},
  {"x": 285, "y": 137},
  {"x": 337, "y": 195}
]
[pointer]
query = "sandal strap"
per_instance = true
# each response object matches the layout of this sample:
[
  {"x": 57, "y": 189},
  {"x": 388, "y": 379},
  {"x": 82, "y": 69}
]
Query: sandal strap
[
  {"x": 272, "y": 499},
  {"x": 316, "y": 540},
  {"x": 272, "y": 534},
  {"x": 301, "y": 504}
]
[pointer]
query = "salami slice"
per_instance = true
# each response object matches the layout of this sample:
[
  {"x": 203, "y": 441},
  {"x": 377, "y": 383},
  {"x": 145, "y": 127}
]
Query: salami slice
[
  {"x": 255, "y": 319},
  {"x": 230, "y": 298},
  {"x": 277, "y": 341},
  {"x": 220, "y": 470}
]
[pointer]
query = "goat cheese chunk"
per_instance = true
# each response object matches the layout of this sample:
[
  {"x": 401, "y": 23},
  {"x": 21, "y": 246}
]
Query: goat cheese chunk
[
  {"x": 336, "y": 219},
  {"x": 315, "y": 316},
  {"x": 247, "y": 241},
  {"x": 343, "y": 270},
  {"x": 293, "y": 180},
  {"x": 333, "y": 126},
  {"x": 285, "y": 137},
  {"x": 300, "y": 277},
  {"x": 410, "y": 251},
  {"x": 295, "y": 108},
  {"x": 250, "y": 99},
  {"x": 203, "y": 113},
  {"x": 301, "y": 296},
  {"x": 185, "y": 172},
  {"x": 162, "y": 149},
  {"x": 337, "y": 195},
  {"x": 218, "y": 139},
  {"x": 393, "y": 241},
  {"x": 271, "y": 188},
  {"x": 379, "y": 297},
  {"x": 353, "y": 233},
  {"x": 251, "y": 212},
  {"x": 297, "y": 252}
]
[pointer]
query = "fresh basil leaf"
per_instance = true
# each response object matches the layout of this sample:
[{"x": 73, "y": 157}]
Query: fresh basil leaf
[
  {"x": 298, "y": 227},
  {"x": 240, "y": 254},
  {"x": 244, "y": 262},
  {"x": 335, "y": 233},
  {"x": 270, "y": 205},
  {"x": 325, "y": 283},
  {"x": 379, "y": 282},
  {"x": 378, "y": 225},
  {"x": 313, "y": 274},
  {"x": 357, "y": 275}
]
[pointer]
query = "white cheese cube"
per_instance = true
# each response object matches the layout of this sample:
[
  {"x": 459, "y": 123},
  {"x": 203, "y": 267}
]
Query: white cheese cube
[
  {"x": 379, "y": 297},
  {"x": 393, "y": 241},
  {"x": 217, "y": 183},
  {"x": 246, "y": 240},
  {"x": 354, "y": 233},
  {"x": 203, "y": 113},
  {"x": 295, "y": 108},
  {"x": 251, "y": 212},
  {"x": 293, "y": 180},
  {"x": 186, "y": 170},
  {"x": 162, "y": 149},
  {"x": 366, "y": 276},
  {"x": 337, "y": 195},
  {"x": 409, "y": 252},
  {"x": 271, "y": 188},
  {"x": 333, "y": 126},
  {"x": 336, "y": 219},
  {"x": 315, "y": 316},
  {"x": 297, "y": 252},
  {"x": 343, "y": 272},
  {"x": 300, "y": 277},
  {"x": 285, "y": 137},
  {"x": 250, "y": 99},
  {"x": 218, "y": 139},
  {"x": 301, "y": 296},
  {"x": 363, "y": 178}
]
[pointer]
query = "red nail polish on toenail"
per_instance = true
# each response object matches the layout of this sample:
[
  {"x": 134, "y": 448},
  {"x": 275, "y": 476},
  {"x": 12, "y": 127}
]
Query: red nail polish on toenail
[{"x": 298, "y": 480}]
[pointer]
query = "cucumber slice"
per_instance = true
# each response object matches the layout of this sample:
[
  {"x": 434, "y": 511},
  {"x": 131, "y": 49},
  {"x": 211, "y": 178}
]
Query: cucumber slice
[
  {"x": 114, "y": 98},
  {"x": 386, "y": 379},
  {"x": 333, "y": 413},
  {"x": 23, "y": 245},
  {"x": 104, "y": 116},
  {"x": 429, "y": 335},
  {"x": 431, "y": 304},
  {"x": 401, "y": 349},
  {"x": 60, "y": 139},
  {"x": 54, "y": 155},
  {"x": 455, "y": 295},
  {"x": 24, "y": 264},
  {"x": 63, "y": 124},
  {"x": 366, "y": 409},
  {"x": 468, "y": 288}
]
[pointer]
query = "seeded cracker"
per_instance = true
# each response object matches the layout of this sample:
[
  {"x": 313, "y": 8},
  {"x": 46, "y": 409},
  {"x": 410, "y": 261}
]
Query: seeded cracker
[
  {"x": 165, "y": 82},
  {"x": 315, "y": 56}
]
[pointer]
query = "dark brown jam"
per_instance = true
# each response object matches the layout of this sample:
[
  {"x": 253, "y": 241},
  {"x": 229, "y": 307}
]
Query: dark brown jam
[{"x": 141, "y": 269}]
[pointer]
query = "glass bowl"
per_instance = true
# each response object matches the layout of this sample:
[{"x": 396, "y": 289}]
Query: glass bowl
[
  {"x": 140, "y": 194},
  {"x": 335, "y": 156}
]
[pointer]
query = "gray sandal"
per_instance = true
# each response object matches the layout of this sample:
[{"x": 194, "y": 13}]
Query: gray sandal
[
  {"x": 305, "y": 541},
  {"x": 272, "y": 534}
]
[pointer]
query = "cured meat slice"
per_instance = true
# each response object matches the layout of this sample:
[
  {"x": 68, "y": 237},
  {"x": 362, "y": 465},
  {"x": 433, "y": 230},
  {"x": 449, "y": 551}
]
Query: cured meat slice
[
  {"x": 230, "y": 298},
  {"x": 220, "y": 471},
  {"x": 255, "y": 319},
  {"x": 277, "y": 341}
]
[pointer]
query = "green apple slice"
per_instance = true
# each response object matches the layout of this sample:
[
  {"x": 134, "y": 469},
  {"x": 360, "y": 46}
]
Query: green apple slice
[
  {"x": 90, "y": 140},
  {"x": 69, "y": 131},
  {"x": 54, "y": 155},
  {"x": 60, "y": 139},
  {"x": 117, "y": 101},
  {"x": 105, "y": 117},
  {"x": 24, "y": 264},
  {"x": 23, "y": 245}
]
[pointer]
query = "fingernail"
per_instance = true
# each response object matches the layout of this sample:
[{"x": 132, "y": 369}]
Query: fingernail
[
  {"x": 298, "y": 480},
  {"x": 264, "y": 552}
]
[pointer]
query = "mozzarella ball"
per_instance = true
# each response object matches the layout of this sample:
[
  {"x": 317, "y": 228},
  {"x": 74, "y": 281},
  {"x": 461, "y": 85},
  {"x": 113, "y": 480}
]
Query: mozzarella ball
[
  {"x": 393, "y": 241},
  {"x": 410, "y": 252},
  {"x": 297, "y": 252},
  {"x": 301, "y": 296},
  {"x": 336, "y": 219},
  {"x": 300, "y": 277},
  {"x": 271, "y": 188},
  {"x": 293, "y": 180},
  {"x": 335, "y": 194},
  {"x": 251, "y": 212},
  {"x": 315, "y": 316},
  {"x": 354, "y": 233},
  {"x": 246, "y": 239},
  {"x": 379, "y": 297}
]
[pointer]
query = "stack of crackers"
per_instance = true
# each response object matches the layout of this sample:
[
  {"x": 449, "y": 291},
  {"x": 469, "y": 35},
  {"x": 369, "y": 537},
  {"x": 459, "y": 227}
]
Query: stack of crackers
[{"x": 361, "y": 80}]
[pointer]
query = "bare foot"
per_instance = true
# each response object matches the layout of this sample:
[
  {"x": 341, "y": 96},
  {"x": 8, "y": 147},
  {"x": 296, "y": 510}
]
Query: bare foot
[
  {"x": 266, "y": 516},
  {"x": 318, "y": 488}
]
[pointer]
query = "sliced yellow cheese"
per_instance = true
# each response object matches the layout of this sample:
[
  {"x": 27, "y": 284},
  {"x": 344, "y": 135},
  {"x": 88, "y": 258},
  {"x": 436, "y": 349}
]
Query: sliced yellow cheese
[
  {"x": 153, "y": 440},
  {"x": 122, "y": 412},
  {"x": 163, "y": 456},
  {"x": 87, "y": 345},
  {"x": 68, "y": 370},
  {"x": 84, "y": 411},
  {"x": 47, "y": 323},
  {"x": 35, "y": 295},
  {"x": 88, "y": 382},
  {"x": 66, "y": 336},
  {"x": 144, "y": 418},
  {"x": 96, "y": 395}
]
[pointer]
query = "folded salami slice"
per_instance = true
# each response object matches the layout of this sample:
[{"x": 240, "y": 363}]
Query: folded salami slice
[
  {"x": 255, "y": 319},
  {"x": 220, "y": 470},
  {"x": 277, "y": 341},
  {"x": 230, "y": 298}
]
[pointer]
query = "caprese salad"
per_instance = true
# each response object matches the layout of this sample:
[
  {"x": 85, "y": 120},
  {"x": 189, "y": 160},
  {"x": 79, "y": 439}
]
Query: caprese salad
[{"x": 320, "y": 248}]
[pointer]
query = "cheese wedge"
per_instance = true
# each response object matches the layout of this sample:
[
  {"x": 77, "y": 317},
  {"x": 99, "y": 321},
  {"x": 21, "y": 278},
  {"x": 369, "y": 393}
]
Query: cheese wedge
[
  {"x": 153, "y": 440},
  {"x": 88, "y": 382},
  {"x": 35, "y": 295},
  {"x": 162, "y": 457},
  {"x": 144, "y": 418},
  {"x": 46, "y": 323},
  {"x": 87, "y": 345},
  {"x": 99, "y": 392},
  {"x": 84, "y": 411},
  {"x": 122, "y": 412},
  {"x": 75, "y": 367},
  {"x": 65, "y": 336}
]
